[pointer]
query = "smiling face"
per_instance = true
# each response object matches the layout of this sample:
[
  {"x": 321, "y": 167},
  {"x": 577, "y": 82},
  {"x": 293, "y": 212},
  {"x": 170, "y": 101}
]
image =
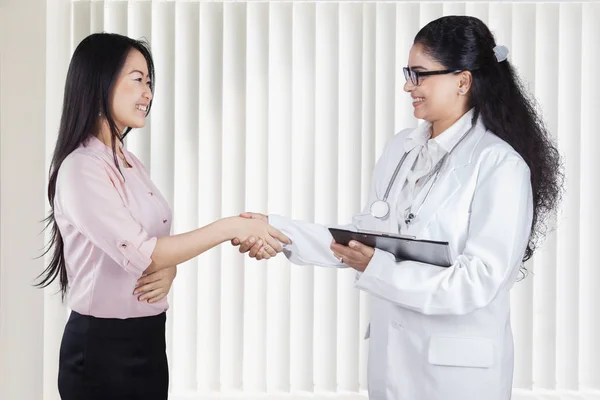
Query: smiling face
[
  {"x": 131, "y": 94},
  {"x": 438, "y": 98}
]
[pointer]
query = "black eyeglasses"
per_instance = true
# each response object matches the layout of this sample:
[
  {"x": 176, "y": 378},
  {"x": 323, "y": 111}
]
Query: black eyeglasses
[{"x": 415, "y": 76}]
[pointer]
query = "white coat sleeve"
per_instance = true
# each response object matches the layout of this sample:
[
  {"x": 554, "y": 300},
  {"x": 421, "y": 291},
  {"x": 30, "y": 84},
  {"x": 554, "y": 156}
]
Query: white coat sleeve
[
  {"x": 499, "y": 228},
  {"x": 310, "y": 242}
]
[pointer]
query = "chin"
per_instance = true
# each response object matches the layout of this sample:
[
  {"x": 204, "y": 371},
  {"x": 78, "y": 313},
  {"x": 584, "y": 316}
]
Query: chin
[
  {"x": 137, "y": 123},
  {"x": 420, "y": 114}
]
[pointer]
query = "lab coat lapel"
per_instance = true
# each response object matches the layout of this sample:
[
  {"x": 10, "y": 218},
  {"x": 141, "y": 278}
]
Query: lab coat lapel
[
  {"x": 449, "y": 182},
  {"x": 443, "y": 191},
  {"x": 392, "y": 221}
]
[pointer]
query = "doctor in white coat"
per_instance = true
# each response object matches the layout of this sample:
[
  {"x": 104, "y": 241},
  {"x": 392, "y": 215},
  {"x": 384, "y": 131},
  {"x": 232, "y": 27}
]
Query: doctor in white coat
[{"x": 480, "y": 173}]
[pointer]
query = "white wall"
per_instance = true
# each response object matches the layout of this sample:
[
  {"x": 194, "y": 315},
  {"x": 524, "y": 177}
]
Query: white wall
[{"x": 22, "y": 177}]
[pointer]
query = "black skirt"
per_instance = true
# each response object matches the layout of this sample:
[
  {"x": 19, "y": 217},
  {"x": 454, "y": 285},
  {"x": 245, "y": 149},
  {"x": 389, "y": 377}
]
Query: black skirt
[{"x": 116, "y": 359}]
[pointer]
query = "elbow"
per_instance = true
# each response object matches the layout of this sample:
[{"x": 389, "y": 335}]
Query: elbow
[{"x": 465, "y": 291}]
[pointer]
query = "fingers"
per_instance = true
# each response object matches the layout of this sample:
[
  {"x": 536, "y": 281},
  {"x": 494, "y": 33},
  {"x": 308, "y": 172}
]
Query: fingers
[
  {"x": 256, "y": 249},
  {"x": 274, "y": 243},
  {"x": 339, "y": 248},
  {"x": 277, "y": 234},
  {"x": 147, "y": 287},
  {"x": 247, "y": 245},
  {"x": 235, "y": 241},
  {"x": 252, "y": 215},
  {"x": 338, "y": 256},
  {"x": 150, "y": 278},
  {"x": 366, "y": 251},
  {"x": 345, "y": 253},
  {"x": 270, "y": 251},
  {"x": 262, "y": 251},
  {"x": 355, "y": 255},
  {"x": 159, "y": 280},
  {"x": 263, "y": 254},
  {"x": 153, "y": 296},
  {"x": 157, "y": 298}
]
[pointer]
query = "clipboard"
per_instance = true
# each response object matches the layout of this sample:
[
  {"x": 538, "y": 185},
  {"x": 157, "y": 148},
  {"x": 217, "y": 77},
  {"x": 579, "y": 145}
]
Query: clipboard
[{"x": 401, "y": 246}]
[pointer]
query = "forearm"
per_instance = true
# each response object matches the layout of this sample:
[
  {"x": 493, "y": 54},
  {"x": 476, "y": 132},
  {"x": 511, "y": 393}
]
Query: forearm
[{"x": 176, "y": 249}]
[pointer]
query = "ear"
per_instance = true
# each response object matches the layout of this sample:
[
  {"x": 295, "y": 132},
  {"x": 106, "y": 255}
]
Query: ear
[{"x": 465, "y": 79}]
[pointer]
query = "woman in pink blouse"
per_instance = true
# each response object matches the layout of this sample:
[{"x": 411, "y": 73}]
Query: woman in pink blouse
[{"x": 111, "y": 239}]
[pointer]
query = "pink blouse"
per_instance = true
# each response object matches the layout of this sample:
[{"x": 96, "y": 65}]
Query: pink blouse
[{"x": 109, "y": 225}]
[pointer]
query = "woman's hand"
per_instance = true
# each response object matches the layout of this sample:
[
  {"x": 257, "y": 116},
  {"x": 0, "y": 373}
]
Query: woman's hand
[
  {"x": 357, "y": 255},
  {"x": 155, "y": 286}
]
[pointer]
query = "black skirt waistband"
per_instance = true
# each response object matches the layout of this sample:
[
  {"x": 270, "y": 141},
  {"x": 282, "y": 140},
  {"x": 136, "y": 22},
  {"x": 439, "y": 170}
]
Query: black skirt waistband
[{"x": 116, "y": 327}]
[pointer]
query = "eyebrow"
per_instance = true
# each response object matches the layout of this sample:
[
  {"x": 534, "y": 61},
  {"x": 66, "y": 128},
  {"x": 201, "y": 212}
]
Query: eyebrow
[
  {"x": 138, "y": 71},
  {"x": 417, "y": 67}
]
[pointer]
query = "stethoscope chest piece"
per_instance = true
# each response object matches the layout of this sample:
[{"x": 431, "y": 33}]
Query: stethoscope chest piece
[{"x": 380, "y": 209}]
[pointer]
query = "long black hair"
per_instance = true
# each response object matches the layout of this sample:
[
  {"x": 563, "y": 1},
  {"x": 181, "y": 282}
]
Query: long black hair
[
  {"x": 93, "y": 72},
  {"x": 500, "y": 99}
]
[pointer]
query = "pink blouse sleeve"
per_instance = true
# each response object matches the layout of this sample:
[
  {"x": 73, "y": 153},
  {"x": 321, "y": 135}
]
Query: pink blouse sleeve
[{"x": 86, "y": 196}]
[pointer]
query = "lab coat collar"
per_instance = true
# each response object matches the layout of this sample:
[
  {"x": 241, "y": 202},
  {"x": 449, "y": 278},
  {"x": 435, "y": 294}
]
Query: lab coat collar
[
  {"x": 452, "y": 135},
  {"x": 418, "y": 136}
]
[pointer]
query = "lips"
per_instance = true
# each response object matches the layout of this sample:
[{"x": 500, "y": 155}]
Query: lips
[{"x": 418, "y": 99}]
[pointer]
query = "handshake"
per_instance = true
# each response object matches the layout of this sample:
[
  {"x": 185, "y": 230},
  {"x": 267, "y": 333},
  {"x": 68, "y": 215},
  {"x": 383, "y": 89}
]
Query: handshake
[{"x": 256, "y": 237}]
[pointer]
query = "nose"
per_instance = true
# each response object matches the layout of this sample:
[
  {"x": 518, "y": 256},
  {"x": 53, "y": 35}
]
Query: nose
[
  {"x": 148, "y": 94},
  {"x": 408, "y": 86}
]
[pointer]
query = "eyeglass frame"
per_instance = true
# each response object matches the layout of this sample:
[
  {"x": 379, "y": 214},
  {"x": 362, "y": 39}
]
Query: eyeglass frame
[{"x": 418, "y": 74}]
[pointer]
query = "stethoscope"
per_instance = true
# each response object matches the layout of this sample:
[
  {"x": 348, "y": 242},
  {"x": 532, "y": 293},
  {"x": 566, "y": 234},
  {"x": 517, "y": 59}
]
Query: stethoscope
[{"x": 380, "y": 208}]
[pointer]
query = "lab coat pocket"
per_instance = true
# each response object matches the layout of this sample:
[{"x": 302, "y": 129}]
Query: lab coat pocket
[{"x": 473, "y": 352}]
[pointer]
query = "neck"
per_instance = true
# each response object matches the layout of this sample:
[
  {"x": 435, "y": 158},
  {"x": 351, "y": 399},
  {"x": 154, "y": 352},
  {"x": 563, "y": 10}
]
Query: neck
[
  {"x": 105, "y": 134},
  {"x": 438, "y": 127}
]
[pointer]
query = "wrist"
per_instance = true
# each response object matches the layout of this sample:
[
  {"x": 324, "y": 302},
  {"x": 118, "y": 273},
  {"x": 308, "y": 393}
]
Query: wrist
[{"x": 226, "y": 228}]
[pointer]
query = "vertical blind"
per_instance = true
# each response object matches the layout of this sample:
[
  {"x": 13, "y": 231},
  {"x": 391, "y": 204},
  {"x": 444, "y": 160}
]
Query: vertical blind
[{"x": 283, "y": 107}]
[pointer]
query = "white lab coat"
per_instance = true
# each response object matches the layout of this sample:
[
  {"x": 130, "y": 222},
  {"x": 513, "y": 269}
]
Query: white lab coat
[{"x": 441, "y": 333}]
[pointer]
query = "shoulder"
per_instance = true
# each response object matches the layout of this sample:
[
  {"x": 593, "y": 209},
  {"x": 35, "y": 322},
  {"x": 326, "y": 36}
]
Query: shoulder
[
  {"x": 85, "y": 163},
  {"x": 396, "y": 142},
  {"x": 492, "y": 152},
  {"x": 399, "y": 137}
]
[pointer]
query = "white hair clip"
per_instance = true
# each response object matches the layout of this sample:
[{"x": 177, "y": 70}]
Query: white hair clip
[{"x": 501, "y": 53}]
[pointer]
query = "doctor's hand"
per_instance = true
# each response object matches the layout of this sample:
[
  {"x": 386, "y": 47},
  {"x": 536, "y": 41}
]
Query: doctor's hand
[{"x": 357, "y": 255}]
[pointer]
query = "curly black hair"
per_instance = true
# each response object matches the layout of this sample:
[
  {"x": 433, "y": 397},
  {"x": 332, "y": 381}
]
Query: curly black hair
[{"x": 499, "y": 97}]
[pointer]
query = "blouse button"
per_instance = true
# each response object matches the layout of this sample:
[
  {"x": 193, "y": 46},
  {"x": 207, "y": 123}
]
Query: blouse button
[
  {"x": 151, "y": 194},
  {"x": 164, "y": 221},
  {"x": 123, "y": 245}
]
